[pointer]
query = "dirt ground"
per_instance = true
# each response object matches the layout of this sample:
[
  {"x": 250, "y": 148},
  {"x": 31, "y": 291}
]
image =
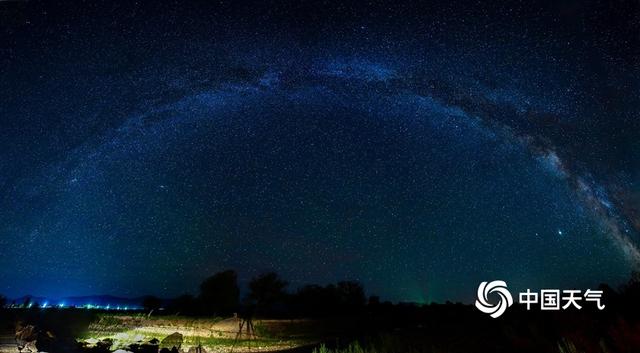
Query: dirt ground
[{"x": 216, "y": 335}]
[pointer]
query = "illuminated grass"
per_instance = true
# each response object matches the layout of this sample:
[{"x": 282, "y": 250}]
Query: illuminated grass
[{"x": 125, "y": 330}]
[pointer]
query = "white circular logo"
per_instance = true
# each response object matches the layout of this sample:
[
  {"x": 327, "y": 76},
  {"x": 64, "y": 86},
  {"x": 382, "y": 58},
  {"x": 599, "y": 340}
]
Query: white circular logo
[{"x": 494, "y": 310}]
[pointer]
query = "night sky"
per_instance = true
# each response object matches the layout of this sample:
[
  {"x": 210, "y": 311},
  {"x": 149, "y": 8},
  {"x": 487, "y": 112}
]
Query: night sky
[{"x": 418, "y": 149}]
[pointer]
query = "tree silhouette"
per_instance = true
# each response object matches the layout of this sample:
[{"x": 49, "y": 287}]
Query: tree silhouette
[
  {"x": 267, "y": 289},
  {"x": 315, "y": 300},
  {"x": 345, "y": 297},
  {"x": 3, "y": 301},
  {"x": 351, "y": 295},
  {"x": 219, "y": 294}
]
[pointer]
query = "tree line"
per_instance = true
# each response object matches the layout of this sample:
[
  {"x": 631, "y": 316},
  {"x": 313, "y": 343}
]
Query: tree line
[{"x": 268, "y": 295}]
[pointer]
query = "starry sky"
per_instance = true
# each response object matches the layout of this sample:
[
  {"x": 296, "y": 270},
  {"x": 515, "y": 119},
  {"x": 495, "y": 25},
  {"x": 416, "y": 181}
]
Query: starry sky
[{"x": 418, "y": 149}]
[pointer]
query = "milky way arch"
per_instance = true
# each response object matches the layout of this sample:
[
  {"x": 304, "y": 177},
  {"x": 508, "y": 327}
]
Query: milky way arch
[{"x": 121, "y": 153}]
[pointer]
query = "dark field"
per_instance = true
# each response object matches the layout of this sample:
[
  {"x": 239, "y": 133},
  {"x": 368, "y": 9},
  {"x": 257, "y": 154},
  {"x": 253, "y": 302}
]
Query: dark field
[{"x": 378, "y": 328}]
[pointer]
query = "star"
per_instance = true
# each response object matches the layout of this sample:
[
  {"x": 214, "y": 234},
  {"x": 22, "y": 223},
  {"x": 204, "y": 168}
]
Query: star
[{"x": 325, "y": 150}]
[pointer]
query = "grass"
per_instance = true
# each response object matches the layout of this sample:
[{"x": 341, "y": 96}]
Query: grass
[
  {"x": 386, "y": 343},
  {"x": 352, "y": 348},
  {"x": 145, "y": 335},
  {"x": 355, "y": 347},
  {"x": 126, "y": 329}
]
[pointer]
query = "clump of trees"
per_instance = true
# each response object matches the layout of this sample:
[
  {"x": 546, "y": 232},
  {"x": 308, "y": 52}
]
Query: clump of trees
[
  {"x": 268, "y": 295},
  {"x": 267, "y": 289},
  {"x": 219, "y": 294},
  {"x": 344, "y": 297}
]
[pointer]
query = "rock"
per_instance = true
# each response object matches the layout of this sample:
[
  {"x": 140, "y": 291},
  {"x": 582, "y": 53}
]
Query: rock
[
  {"x": 105, "y": 343},
  {"x": 197, "y": 349},
  {"x": 174, "y": 340},
  {"x": 25, "y": 334},
  {"x": 143, "y": 348},
  {"x": 166, "y": 350},
  {"x": 91, "y": 341},
  {"x": 30, "y": 338},
  {"x": 29, "y": 347},
  {"x": 96, "y": 346}
]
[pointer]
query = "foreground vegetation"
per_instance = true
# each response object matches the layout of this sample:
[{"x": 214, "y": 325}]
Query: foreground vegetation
[
  {"x": 211, "y": 333},
  {"x": 294, "y": 320}
]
